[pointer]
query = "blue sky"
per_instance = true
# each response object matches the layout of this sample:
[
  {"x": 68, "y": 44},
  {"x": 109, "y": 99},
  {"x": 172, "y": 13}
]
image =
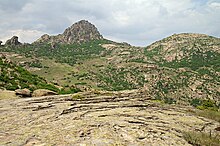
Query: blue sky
[{"x": 138, "y": 22}]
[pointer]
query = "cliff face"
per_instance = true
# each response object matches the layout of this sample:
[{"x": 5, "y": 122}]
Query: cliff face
[{"x": 82, "y": 31}]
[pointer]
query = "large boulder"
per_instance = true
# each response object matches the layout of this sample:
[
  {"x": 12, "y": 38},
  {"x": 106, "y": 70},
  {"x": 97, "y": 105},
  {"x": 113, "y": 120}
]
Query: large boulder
[
  {"x": 23, "y": 92},
  {"x": 13, "y": 41},
  {"x": 43, "y": 92}
]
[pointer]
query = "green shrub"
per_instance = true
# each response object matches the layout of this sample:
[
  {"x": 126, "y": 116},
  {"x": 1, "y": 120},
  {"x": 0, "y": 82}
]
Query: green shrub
[
  {"x": 77, "y": 96},
  {"x": 209, "y": 114},
  {"x": 204, "y": 104},
  {"x": 69, "y": 90},
  {"x": 201, "y": 138}
]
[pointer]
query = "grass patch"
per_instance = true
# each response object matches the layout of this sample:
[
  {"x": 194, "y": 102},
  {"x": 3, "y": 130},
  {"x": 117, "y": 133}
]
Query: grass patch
[
  {"x": 209, "y": 114},
  {"x": 77, "y": 96},
  {"x": 201, "y": 139}
]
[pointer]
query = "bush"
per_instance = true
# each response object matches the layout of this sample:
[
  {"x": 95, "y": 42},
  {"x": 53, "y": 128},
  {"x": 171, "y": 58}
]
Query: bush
[
  {"x": 201, "y": 139},
  {"x": 69, "y": 90},
  {"x": 204, "y": 104},
  {"x": 209, "y": 114},
  {"x": 77, "y": 96}
]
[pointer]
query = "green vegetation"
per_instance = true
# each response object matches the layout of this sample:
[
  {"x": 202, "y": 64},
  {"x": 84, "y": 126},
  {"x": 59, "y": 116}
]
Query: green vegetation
[
  {"x": 173, "y": 70},
  {"x": 77, "y": 96},
  {"x": 196, "y": 60},
  {"x": 116, "y": 79},
  {"x": 204, "y": 104},
  {"x": 209, "y": 114},
  {"x": 69, "y": 90},
  {"x": 154, "y": 52},
  {"x": 201, "y": 138},
  {"x": 14, "y": 77},
  {"x": 35, "y": 63},
  {"x": 63, "y": 53}
]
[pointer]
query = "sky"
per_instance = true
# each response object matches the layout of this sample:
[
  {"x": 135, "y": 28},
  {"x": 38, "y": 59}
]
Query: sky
[{"x": 137, "y": 22}]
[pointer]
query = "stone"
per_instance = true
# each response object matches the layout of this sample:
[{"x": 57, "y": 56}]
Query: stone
[
  {"x": 53, "y": 45},
  {"x": 23, "y": 92},
  {"x": 82, "y": 31},
  {"x": 44, "y": 38},
  {"x": 119, "y": 118},
  {"x": 43, "y": 92},
  {"x": 13, "y": 41},
  {"x": 1, "y": 43}
]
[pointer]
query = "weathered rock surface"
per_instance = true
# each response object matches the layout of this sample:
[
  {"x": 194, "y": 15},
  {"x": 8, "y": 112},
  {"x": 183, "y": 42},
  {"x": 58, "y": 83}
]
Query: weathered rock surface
[
  {"x": 82, "y": 31},
  {"x": 6, "y": 94},
  {"x": 13, "y": 41},
  {"x": 126, "y": 118},
  {"x": 23, "y": 92},
  {"x": 43, "y": 92}
]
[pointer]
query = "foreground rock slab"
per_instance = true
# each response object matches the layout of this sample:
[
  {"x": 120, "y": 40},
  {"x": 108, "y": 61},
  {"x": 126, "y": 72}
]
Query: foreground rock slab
[
  {"x": 43, "y": 92},
  {"x": 126, "y": 118}
]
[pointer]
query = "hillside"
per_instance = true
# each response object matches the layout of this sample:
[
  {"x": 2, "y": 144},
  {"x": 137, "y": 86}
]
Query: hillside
[
  {"x": 167, "y": 93},
  {"x": 182, "y": 68},
  {"x": 14, "y": 77}
]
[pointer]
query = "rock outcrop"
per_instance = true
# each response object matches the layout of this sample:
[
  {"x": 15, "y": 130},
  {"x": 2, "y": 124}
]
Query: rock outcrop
[
  {"x": 82, "y": 31},
  {"x": 13, "y": 41},
  {"x": 23, "y": 92},
  {"x": 124, "y": 118},
  {"x": 43, "y": 92}
]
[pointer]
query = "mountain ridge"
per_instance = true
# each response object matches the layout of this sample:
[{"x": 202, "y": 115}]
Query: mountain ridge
[
  {"x": 184, "y": 65},
  {"x": 167, "y": 93},
  {"x": 79, "y": 32}
]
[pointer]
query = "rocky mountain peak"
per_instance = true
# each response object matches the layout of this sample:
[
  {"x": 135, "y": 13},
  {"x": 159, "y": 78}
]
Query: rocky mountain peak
[
  {"x": 82, "y": 31},
  {"x": 13, "y": 41}
]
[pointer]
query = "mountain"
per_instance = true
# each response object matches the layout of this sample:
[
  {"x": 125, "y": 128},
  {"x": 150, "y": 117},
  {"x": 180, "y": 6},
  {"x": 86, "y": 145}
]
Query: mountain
[
  {"x": 82, "y": 31},
  {"x": 182, "y": 68},
  {"x": 188, "y": 67},
  {"x": 137, "y": 95}
]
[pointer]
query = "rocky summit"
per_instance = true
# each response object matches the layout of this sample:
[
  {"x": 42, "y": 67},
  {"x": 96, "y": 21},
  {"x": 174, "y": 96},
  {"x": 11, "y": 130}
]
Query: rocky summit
[
  {"x": 13, "y": 41},
  {"x": 82, "y": 31}
]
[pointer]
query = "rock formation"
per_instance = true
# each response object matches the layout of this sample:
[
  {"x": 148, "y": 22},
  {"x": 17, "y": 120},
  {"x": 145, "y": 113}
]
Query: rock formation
[
  {"x": 23, "y": 92},
  {"x": 82, "y": 31},
  {"x": 125, "y": 118},
  {"x": 13, "y": 41},
  {"x": 43, "y": 92}
]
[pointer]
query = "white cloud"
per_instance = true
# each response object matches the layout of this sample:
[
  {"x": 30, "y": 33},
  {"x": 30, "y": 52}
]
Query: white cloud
[
  {"x": 215, "y": 5},
  {"x": 26, "y": 36}
]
